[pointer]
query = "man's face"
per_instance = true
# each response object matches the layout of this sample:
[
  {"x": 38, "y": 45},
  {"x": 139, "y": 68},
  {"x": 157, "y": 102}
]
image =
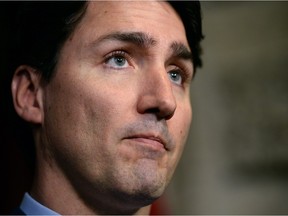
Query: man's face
[{"x": 117, "y": 112}]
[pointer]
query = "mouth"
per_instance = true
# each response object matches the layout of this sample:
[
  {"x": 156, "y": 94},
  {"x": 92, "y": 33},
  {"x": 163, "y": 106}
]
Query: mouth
[{"x": 150, "y": 141}]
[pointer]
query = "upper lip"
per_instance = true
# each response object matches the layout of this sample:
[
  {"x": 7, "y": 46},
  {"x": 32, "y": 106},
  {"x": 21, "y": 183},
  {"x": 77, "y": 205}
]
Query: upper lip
[{"x": 154, "y": 137}]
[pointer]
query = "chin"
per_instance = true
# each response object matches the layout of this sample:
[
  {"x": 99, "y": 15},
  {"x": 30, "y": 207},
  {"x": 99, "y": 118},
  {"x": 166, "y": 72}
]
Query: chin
[
  {"x": 136, "y": 184},
  {"x": 144, "y": 188},
  {"x": 141, "y": 197}
]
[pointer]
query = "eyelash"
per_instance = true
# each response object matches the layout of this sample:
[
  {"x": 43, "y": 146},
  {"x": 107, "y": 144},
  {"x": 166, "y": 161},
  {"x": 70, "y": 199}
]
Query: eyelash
[
  {"x": 184, "y": 73},
  {"x": 118, "y": 53}
]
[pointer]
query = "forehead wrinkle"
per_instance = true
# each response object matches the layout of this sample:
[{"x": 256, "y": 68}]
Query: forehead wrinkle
[{"x": 140, "y": 39}]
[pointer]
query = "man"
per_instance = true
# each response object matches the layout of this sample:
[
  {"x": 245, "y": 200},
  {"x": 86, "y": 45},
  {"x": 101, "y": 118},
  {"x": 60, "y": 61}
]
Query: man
[{"x": 109, "y": 104}]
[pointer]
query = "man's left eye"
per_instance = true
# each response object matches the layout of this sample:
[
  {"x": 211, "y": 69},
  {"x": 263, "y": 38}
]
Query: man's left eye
[{"x": 175, "y": 77}]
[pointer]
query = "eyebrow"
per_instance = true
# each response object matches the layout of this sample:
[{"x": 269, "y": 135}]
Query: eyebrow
[
  {"x": 144, "y": 40},
  {"x": 179, "y": 50},
  {"x": 138, "y": 38}
]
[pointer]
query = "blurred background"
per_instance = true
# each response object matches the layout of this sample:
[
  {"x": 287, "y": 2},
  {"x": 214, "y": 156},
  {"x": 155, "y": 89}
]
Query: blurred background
[{"x": 236, "y": 159}]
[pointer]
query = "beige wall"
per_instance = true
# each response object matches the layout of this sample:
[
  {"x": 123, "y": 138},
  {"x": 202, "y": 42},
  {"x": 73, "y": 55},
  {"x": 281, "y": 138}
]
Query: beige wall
[{"x": 236, "y": 160}]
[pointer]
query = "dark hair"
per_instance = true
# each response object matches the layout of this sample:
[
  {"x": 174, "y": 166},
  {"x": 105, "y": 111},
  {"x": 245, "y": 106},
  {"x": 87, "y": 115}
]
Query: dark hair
[
  {"x": 41, "y": 28},
  {"x": 190, "y": 14}
]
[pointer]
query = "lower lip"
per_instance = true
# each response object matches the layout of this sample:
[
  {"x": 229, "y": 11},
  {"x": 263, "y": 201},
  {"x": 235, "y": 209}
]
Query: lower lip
[{"x": 153, "y": 145}]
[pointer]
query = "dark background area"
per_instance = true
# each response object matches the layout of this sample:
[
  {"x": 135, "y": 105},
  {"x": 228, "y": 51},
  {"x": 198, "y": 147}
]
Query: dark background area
[
  {"x": 14, "y": 166},
  {"x": 236, "y": 159}
]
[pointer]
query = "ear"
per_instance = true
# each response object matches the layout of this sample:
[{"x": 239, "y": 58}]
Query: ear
[{"x": 27, "y": 94}]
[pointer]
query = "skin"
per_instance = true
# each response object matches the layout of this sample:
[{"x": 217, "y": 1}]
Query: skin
[{"x": 111, "y": 125}]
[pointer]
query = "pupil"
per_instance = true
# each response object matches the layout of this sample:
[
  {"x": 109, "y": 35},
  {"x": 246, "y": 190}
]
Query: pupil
[
  {"x": 174, "y": 76},
  {"x": 120, "y": 61}
]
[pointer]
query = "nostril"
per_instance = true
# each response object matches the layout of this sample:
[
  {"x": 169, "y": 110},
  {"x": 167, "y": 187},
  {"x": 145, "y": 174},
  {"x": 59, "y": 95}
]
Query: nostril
[
  {"x": 161, "y": 105},
  {"x": 167, "y": 107},
  {"x": 169, "y": 112},
  {"x": 153, "y": 110},
  {"x": 162, "y": 113}
]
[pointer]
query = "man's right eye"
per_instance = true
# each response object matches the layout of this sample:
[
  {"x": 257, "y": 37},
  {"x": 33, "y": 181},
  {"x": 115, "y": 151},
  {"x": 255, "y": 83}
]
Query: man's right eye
[{"x": 117, "y": 60}]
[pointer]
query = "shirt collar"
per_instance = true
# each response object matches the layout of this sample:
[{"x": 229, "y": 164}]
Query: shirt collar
[{"x": 31, "y": 207}]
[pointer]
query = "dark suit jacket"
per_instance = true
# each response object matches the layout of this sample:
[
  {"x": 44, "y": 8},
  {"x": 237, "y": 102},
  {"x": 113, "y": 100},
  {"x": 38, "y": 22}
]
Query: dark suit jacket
[{"x": 17, "y": 211}]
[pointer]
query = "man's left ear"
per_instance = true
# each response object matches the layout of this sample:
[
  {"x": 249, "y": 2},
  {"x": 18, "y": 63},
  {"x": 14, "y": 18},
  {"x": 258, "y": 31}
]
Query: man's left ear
[{"x": 27, "y": 94}]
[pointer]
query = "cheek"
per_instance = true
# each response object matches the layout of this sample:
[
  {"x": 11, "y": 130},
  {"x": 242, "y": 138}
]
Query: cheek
[
  {"x": 79, "y": 124},
  {"x": 183, "y": 118},
  {"x": 76, "y": 114},
  {"x": 179, "y": 127}
]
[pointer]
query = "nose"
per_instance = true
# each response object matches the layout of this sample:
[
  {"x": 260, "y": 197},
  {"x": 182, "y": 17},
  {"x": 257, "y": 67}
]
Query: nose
[{"x": 157, "y": 95}]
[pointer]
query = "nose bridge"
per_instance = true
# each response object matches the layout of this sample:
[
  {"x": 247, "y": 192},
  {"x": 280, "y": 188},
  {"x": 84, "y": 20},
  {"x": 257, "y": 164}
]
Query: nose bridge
[
  {"x": 162, "y": 85},
  {"x": 157, "y": 93}
]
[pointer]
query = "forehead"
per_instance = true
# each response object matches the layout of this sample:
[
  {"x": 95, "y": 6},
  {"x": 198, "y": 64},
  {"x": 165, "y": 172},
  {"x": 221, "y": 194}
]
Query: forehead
[{"x": 158, "y": 19}]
